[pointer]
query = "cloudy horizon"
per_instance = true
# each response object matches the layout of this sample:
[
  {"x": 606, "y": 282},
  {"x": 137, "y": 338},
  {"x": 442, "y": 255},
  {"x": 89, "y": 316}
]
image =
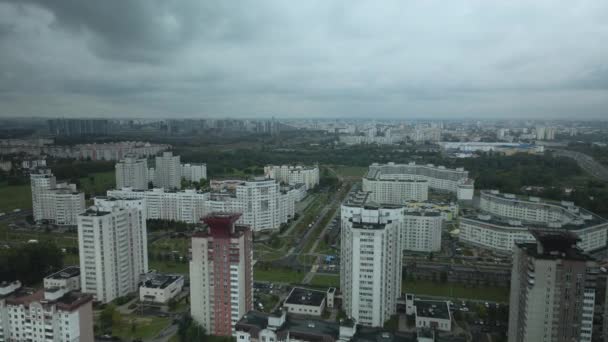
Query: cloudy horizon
[{"x": 247, "y": 59}]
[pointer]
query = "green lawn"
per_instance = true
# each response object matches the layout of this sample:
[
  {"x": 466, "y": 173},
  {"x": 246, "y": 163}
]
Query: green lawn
[
  {"x": 169, "y": 267},
  {"x": 61, "y": 240},
  {"x": 70, "y": 259},
  {"x": 97, "y": 183},
  {"x": 323, "y": 280},
  {"x": 15, "y": 197},
  {"x": 351, "y": 171},
  {"x": 421, "y": 287},
  {"x": 146, "y": 328},
  {"x": 277, "y": 275},
  {"x": 20, "y": 196}
]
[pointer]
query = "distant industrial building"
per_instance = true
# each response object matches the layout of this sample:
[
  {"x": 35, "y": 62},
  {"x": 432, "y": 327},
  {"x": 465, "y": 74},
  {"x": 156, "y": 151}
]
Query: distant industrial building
[{"x": 221, "y": 274}]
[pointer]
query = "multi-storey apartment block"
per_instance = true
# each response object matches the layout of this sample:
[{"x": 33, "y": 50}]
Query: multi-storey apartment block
[
  {"x": 57, "y": 203},
  {"x": 552, "y": 290},
  {"x": 394, "y": 183},
  {"x": 113, "y": 250},
  {"x": 132, "y": 173},
  {"x": 221, "y": 274}
]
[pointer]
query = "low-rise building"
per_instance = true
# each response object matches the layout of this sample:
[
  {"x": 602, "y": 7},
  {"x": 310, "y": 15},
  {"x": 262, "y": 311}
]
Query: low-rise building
[
  {"x": 305, "y": 302},
  {"x": 67, "y": 278},
  {"x": 433, "y": 314},
  {"x": 160, "y": 288}
]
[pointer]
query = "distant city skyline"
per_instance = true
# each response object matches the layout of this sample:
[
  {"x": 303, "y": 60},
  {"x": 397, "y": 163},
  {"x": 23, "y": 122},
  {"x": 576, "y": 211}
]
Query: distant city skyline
[{"x": 401, "y": 60}]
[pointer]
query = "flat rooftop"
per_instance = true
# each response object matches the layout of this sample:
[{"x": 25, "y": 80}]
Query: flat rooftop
[
  {"x": 95, "y": 213},
  {"x": 66, "y": 273},
  {"x": 515, "y": 223},
  {"x": 432, "y": 309},
  {"x": 302, "y": 296},
  {"x": 555, "y": 245},
  {"x": 160, "y": 281}
]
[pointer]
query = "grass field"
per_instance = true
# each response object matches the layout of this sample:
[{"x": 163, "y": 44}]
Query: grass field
[
  {"x": 20, "y": 196},
  {"x": 420, "y": 287},
  {"x": 169, "y": 267},
  {"x": 277, "y": 275},
  {"x": 97, "y": 183},
  {"x": 351, "y": 171},
  {"x": 326, "y": 280},
  {"x": 62, "y": 240},
  {"x": 180, "y": 245},
  {"x": 15, "y": 197},
  {"x": 134, "y": 327}
]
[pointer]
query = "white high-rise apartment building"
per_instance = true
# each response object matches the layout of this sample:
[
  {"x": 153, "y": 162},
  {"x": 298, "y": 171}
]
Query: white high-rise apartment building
[
  {"x": 183, "y": 206},
  {"x": 421, "y": 230},
  {"x": 261, "y": 202},
  {"x": 292, "y": 175},
  {"x": 57, "y": 203},
  {"x": 221, "y": 274},
  {"x": 370, "y": 271},
  {"x": 552, "y": 290},
  {"x": 419, "y": 224},
  {"x": 168, "y": 172},
  {"x": 41, "y": 180},
  {"x": 545, "y": 133},
  {"x": 395, "y": 183},
  {"x": 194, "y": 172},
  {"x": 44, "y": 315},
  {"x": 132, "y": 173},
  {"x": 112, "y": 249}
]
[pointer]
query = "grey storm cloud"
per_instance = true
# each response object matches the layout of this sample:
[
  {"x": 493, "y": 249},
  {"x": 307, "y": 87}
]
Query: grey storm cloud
[{"x": 398, "y": 59}]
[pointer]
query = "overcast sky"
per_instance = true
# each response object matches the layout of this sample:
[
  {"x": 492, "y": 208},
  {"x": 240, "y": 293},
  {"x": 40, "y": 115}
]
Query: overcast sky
[{"x": 390, "y": 59}]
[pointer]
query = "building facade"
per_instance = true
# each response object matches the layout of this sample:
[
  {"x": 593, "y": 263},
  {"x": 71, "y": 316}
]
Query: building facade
[
  {"x": 221, "y": 274},
  {"x": 506, "y": 219},
  {"x": 44, "y": 315},
  {"x": 194, "y": 172},
  {"x": 419, "y": 224},
  {"x": 167, "y": 171},
  {"x": 292, "y": 175},
  {"x": 370, "y": 270},
  {"x": 160, "y": 288},
  {"x": 113, "y": 250},
  {"x": 552, "y": 290},
  {"x": 132, "y": 173},
  {"x": 57, "y": 203},
  {"x": 421, "y": 231},
  {"x": 439, "y": 178}
]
